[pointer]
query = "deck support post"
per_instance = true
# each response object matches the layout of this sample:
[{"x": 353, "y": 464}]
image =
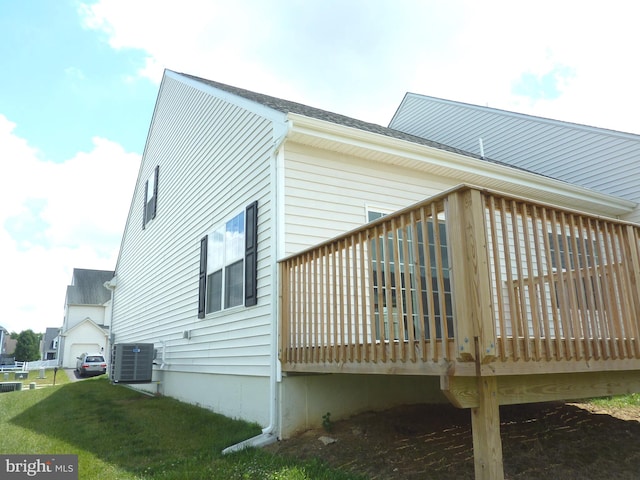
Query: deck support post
[
  {"x": 485, "y": 425},
  {"x": 471, "y": 277}
]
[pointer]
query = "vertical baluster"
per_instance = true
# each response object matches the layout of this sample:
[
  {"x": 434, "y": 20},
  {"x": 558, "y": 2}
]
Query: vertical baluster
[
  {"x": 612, "y": 289},
  {"x": 328, "y": 339},
  {"x": 539, "y": 230},
  {"x": 530, "y": 282},
  {"x": 574, "y": 305},
  {"x": 297, "y": 312},
  {"x": 395, "y": 278},
  {"x": 561, "y": 286},
  {"x": 335, "y": 340},
  {"x": 348, "y": 299},
  {"x": 514, "y": 308},
  {"x": 497, "y": 268},
  {"x": 624, "y": 292},
  {"x": 592, "y": 288},
  {"x": 523, "y": 324},
  {"x": 388, "y": 298},
  {"x": 358, "y": 279},
  {"x": 632, "y": 247},
  {"x": 548, "y": 231},
  {"x": 444, "y": 327},
  {"x": 379, "y": 299},
  {"x": 608, "y": 313},
  {"x": 304, "y": 317},
  {"x": 578, "y": 285},
  {"x": 425, "y": 218},
  {"x": 407, "y": 331},
  {"x": 417, "y": 328},
  {"x": 285, "y": 313}
]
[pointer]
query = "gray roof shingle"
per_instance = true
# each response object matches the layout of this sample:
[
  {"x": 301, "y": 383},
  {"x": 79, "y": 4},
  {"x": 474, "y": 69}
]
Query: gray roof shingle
[
  {"x": 286, "y": 106},
  {"x": 88, "y": 287}
]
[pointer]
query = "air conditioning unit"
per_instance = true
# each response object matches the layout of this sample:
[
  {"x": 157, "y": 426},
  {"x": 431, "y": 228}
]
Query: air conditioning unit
[{"x": 131, "y": 362}]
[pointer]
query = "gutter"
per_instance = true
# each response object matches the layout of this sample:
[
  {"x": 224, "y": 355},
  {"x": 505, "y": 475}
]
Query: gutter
[{"x": 269, "y": 433}]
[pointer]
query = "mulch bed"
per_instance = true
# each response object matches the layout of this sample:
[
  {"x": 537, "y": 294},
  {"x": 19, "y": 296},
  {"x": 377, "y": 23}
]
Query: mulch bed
[{"x": 548, "y": 440}]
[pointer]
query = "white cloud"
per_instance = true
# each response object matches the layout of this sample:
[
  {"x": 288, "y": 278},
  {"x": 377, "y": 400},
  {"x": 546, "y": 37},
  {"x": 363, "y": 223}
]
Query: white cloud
[
  {"x": 497, "y": 42},
  {"x": 54, "y": 217},
  {"x": 192, "y": 33},
  {"x": 360, "y": 57}
]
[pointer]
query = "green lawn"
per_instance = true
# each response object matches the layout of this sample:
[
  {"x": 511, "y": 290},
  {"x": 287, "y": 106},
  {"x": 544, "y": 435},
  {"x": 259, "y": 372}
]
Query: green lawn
[
  {"x": 621, "y": 401},
  {"x": 118, "y": 433},
  {"x": 34, "y": 377}
]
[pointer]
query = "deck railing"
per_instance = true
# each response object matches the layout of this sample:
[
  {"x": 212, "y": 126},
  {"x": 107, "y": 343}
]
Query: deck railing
[{"x": 467, "y": 276}]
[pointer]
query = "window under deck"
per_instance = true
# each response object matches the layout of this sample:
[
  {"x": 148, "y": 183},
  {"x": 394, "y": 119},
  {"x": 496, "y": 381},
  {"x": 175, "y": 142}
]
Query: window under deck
[{"x": 466, "y": 283}]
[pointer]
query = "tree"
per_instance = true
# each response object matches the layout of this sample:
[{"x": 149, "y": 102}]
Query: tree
[{"x": 28, "y": 347}]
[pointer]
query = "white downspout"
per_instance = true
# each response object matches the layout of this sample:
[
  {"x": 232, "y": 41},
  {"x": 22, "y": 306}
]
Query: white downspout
[
  {"x": 111, "y": 286},
  {"x": 269, "y": 433}
]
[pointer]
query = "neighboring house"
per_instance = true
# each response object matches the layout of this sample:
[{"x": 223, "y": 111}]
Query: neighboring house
[
  {"x": 7, "y": 347},
  {"x": 10, "y": 345},
  {"x": 235, "y": 264},
  {"x": 4, "y": 335},
  {"x": 50, "y": 344},
  {"x": 87, "y": 316},
  {"x": 605, "y": 160}
]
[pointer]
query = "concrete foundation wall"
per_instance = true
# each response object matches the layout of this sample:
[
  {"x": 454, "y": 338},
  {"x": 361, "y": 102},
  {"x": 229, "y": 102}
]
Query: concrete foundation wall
[
  {"x": 240, "y": 397},
  {"x": 305, "y": 399}
]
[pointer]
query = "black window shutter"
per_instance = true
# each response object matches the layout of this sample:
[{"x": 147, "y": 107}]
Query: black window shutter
[
  {"x": 202, "y": 282},
  {"x": 155, "y": 191},
  {"x": 144, "y": 205},
  {"x": 251, "y": 256}
]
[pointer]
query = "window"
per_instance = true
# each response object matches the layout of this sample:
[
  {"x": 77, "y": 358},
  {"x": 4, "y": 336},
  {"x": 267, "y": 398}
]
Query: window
[
  {"x": 372, "y": 215},
  {"x": 578, "y": 252},
  {"x": 150, "y": 206},
  {"x": 228, "y": 264},
  {"x": 402, "y": 277},
  {"x": 577, "y": 255}
]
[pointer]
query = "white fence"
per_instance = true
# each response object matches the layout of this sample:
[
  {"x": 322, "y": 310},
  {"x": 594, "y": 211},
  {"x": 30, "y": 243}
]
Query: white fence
[
  {"x": 40, "y": 364},
  {"x": 27, "y": 366}
]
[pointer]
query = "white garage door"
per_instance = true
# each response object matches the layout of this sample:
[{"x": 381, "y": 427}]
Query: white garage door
[{"x": 78, "y": 349}]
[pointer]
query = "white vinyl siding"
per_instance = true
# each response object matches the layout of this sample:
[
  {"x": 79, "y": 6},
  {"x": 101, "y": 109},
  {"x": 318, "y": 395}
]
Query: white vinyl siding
[
  {"x": 78, "y": 313},
  {"x": 326, "y": 193},
  {"x": 214, "y": 159}
]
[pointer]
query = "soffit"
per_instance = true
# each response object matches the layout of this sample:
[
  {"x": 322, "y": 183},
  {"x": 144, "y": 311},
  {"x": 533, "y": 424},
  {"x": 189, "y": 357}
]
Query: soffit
[{"x": 460, "y": 168}]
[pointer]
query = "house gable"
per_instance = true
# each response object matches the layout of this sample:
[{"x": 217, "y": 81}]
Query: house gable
[
  {"x": 86, "y": 324},
  {"x": 214, "y": 151}
]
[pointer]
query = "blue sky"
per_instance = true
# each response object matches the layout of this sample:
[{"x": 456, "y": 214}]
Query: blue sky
[
  {"x": 54, "y": 68},
  {"x": 78, "y": 81}
]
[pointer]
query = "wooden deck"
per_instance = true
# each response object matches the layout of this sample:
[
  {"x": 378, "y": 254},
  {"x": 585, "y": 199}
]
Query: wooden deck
[
  {"x": 503, "y": 298},
  {"x": 505, "y": 281}
]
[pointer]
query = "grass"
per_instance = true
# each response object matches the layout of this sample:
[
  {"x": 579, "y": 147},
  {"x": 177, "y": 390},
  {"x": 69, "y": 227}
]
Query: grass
[
  {"x": 621, "y": 401},
  {"x": 118, "y": 433},
  {"x": 34, "y": 377}
]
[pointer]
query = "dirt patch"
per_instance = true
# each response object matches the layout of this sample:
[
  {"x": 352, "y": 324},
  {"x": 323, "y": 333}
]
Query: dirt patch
[{"x": 549, "y": 440}]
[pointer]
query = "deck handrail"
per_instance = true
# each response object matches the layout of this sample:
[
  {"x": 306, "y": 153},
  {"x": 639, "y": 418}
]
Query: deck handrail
[{"x": 527, "y": 281}]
